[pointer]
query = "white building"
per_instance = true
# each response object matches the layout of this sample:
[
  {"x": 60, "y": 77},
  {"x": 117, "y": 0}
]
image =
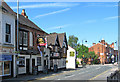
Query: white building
[
  {"x": 71, "y": 58},
  {"x": 7, "y": 41}
]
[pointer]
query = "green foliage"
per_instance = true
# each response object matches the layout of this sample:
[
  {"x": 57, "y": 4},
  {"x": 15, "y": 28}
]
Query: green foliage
[
  {"x": 82, "y": 50},
  {"x": 73, "y": 41},
  {"x": 77, "y": 62}
]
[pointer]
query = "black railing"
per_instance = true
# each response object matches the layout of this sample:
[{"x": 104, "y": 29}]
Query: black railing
[{"x": 114, "y": 77}]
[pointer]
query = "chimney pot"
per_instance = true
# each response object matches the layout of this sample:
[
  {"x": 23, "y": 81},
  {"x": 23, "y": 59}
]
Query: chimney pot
[{"x": 24, "y": 13}]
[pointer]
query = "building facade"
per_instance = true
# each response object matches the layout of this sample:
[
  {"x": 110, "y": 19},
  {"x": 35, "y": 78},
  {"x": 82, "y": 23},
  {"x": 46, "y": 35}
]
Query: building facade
[
  {"x": 71, "y": 58},
  {"x": 29, "y": 57},
  {"x": 103, "y": 50},
  {"x": 7, "y": 41}
]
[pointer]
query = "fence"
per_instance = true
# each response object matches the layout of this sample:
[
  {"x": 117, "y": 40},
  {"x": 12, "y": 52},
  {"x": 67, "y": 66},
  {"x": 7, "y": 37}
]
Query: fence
[{"x": 114, "y": 77}]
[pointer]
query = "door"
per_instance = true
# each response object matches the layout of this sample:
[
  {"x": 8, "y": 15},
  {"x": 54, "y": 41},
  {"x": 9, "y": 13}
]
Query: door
[
  {"x": 33, "y": 62},
  {"x": 27, "y": 66}
]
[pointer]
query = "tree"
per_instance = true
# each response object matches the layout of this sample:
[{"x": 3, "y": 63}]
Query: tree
[
  {"x": 82, "y": 50},
  {"x": 73, "y": 41}
]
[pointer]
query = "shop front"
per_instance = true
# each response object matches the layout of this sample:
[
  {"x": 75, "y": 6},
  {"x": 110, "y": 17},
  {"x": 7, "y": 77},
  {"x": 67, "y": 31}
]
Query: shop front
[{"x": 5, "y": 65}]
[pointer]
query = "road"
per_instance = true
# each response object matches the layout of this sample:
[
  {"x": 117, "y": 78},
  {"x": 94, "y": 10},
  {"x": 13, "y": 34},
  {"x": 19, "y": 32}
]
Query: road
[{"x": 91, "y": 72}]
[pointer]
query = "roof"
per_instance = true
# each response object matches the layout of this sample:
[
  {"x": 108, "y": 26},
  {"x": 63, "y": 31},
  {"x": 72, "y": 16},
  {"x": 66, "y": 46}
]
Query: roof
[
  {"x": 60, "y": 36},
  {"x": 51, "y": 39},
  {"x": 27, "y": 22},
  {"x": 22, "y": 19},
  {"x": 6, "y": 7}
]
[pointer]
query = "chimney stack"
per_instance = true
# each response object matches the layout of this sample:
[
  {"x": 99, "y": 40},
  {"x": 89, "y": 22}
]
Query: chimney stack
[
  {"x": 24, "y": 13},
  {"x": 94, "y": 43}
]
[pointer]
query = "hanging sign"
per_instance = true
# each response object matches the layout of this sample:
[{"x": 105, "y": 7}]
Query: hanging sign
[{"x": 41, "y": 41}]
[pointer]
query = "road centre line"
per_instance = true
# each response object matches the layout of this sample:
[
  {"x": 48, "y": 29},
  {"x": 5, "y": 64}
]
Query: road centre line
[{"x": 100, "y": 74}]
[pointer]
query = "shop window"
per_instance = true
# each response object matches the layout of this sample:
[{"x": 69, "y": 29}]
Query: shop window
[
  {"x": 21, "y": 61},
  {"x": 39, "y": 61},
  {"x": 8, "y": 33},
  {"x": 7, "y": 67}
]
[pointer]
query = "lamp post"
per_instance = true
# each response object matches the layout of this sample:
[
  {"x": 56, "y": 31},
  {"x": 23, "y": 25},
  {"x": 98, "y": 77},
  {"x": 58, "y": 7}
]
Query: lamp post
[
  {"x": 82, "y": 48},
  {"x": 17, "y": 36}
]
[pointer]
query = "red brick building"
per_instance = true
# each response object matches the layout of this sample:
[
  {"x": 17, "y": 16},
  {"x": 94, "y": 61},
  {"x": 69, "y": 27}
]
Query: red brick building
[{"x": 103, "y": 50}]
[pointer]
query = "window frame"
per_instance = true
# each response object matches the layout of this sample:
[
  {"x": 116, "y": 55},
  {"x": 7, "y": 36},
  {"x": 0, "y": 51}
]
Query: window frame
[
  {"x": 23, "y": 46},
  {"x": 8, "y": 33}
]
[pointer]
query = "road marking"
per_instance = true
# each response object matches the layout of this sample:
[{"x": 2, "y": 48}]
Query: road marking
[
  {"x": 58, "y": 79},
  {"x": 98, "y": 68},
  {"x": 99, "y": 74},
  {"x": 69, "y": 76}
]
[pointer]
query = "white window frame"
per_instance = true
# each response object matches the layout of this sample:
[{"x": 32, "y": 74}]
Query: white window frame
[
  {"x": 31, "y": 39},
  {"x": 9, "y": 34},
  {"x": 3, "y": 69}
]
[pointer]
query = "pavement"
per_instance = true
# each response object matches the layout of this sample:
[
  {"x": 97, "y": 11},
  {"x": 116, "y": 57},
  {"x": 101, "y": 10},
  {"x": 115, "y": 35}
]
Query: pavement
[{"x": 91, "y": 73}]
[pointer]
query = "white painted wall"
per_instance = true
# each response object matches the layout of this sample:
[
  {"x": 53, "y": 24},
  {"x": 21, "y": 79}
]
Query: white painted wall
[
  {"x": 22, "y": 70},
  {"x": 9, "y": 19},
  {"x": 71, "y": 60}
]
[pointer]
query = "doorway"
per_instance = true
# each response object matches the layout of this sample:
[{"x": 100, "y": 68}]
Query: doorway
[{"x": 27, "y": 66}]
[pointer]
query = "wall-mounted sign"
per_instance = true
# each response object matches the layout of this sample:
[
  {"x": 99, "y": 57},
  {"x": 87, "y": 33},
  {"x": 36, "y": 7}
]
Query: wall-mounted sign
[
  {"x": 5, "y": 57},
  {"x": 56, "y": 54},
  {"x": 41, "y": 41}
]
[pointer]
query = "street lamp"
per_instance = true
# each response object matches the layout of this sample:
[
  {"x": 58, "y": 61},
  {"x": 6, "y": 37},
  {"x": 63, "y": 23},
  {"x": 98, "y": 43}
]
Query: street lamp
[{"x": 82, "y": 46}]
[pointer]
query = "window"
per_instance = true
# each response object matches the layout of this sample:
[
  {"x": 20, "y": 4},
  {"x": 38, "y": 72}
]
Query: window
[
  {"x": 7, "y": 67},
  {"x": 21, "y": 61},
  {"x": 23, "y": 40},
  {"x": 72, "y": 54},
  {"x": 8, "y": 33},
  {"x": 56, "y": 48},
  {"x": 39, "y": 61},
  {"x": 31, "y": 39},
  {"x": 64, "y": 50}
]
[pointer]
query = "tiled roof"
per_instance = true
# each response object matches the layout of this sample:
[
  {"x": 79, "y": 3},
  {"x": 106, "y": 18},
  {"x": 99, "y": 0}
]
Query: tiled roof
[
  {"x": 60, "y": 37},
  {"x": 22, "y": 19},
  {"x": 51, "y": 38}
]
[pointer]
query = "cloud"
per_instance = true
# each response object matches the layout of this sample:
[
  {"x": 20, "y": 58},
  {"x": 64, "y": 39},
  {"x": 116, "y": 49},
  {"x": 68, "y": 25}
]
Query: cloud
[
  {"x": 90, "y": 21},
  {"x": 101, "y": 5},
  {"x": 111, "y": 18},
  {"x": 58, "y": 27},
  {"x": 59, "y": 11},
  {"x": 46, "y": 5}
]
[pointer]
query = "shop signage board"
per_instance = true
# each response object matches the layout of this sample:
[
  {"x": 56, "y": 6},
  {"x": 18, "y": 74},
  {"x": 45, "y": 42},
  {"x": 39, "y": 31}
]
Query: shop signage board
[
  {"x": 56, "y": 54},
  {"x": 41, "y": 41},
  {"x": 5, "y": 57}
]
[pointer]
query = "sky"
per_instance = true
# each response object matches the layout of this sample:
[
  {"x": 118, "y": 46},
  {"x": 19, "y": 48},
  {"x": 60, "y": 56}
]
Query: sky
[{"x": 91, "y": 21}]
